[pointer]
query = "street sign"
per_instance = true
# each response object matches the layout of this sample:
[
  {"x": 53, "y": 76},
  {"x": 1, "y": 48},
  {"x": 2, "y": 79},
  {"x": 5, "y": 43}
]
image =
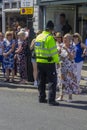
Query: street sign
[
  {"x": 26, "y": 3},
  {"x": 26, "y": 11}
]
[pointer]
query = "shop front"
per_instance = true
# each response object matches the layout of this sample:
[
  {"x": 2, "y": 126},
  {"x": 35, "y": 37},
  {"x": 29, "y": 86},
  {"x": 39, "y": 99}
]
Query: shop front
[
  {"x": 75, "y": 11},
  {"x": 0, "y": 15},
  {"x": 12, "y": 16},
  {"x": 53, "y": 13},
  {"x": 11, "y": 13},
  {"x": 82, "y": 21},
  {"x": 0, "y": 22}
]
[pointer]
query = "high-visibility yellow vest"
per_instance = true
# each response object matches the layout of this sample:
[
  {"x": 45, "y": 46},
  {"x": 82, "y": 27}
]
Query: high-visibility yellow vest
[{"x": 46, "y": 49}]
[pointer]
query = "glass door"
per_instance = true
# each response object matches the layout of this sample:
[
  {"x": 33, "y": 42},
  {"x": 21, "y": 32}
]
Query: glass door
[
  {"x": 83, "y": 26},
  {"x": 83, "y": 22}
]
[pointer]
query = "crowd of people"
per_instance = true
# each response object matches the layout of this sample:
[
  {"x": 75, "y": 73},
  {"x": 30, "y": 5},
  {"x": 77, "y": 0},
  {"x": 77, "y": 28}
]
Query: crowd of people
[
  {"x": 51, "y": 52},
  {"x": 13, "y": 46},
  {"x": 71, "y": 51}
]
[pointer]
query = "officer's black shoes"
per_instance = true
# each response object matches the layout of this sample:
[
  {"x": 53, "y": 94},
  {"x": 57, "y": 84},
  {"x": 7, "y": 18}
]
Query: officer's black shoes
[
  {"x": 54, "y": 103},
  {"x": 42, "y": 101}
]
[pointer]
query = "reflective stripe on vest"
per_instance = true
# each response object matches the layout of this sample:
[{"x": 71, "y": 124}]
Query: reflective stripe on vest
[
  {"x": 45, "y": 52},
  {"x": 40, "y": 50},
  {"x": 45, "y": 55}
]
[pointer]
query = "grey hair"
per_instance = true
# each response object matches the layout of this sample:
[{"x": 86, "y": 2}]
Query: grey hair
[{"x": 69, "y": 36}]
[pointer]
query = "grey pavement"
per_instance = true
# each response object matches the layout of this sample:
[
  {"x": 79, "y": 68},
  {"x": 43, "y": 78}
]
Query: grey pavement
[
  {"x": 16, "y": 83},
  {"x": 20, "y": 110}
]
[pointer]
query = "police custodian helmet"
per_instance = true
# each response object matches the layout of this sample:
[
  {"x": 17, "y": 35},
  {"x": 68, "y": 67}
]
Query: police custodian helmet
[{"x": 50, "y": 25}]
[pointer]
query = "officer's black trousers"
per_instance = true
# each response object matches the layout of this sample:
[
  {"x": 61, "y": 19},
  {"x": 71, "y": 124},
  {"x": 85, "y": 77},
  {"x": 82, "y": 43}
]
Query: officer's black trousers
[{"x": 47, "y": 73}]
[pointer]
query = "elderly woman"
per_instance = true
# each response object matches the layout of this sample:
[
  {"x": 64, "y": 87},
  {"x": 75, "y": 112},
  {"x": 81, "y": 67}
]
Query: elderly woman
[
  {"x": 67, "y": 68},
  {"x": 21, "y": 53},
  {"x": 8, "y": 55},
  {"x": 81, "y": 50}
]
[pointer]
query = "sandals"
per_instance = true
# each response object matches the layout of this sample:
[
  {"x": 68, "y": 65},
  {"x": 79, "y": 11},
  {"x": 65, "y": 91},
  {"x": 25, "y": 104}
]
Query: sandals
[
  {"x": 59, "y": 99},
  {"x": 6, "y": 80},
  {"x": 12, "y": 81},
  {"x": 23, "y": 82}
]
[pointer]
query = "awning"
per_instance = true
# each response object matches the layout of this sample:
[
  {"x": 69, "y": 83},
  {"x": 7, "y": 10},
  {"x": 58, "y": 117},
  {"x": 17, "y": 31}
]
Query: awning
[
  {"x": 11, "y": 10},
  {"x": 50, "y": 2}
]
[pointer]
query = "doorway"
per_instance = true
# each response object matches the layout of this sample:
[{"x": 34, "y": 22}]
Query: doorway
[
  {"x": 83, "y": 22},
  {"x": 83, "y": 27},
  {"x": 0, "y": 24}
]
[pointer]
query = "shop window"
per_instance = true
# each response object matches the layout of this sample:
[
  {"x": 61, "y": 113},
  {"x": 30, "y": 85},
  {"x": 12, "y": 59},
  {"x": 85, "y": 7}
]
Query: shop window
[
  {"x": 6, "y": 5},
  {"x": 0, "y": 1},
  {"x": 0, "y": 24},
  {"x": 19, "y": 4},
  {"x": 14, "y": 5}
]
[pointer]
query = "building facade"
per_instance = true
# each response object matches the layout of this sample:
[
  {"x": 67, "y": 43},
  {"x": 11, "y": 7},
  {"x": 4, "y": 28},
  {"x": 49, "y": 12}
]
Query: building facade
[
  {"x": 11, "y": 14},
  {"x": 44, "y": 10},
  {"x": 75, "y": 11},
  {"x": 1, "y": 15}
]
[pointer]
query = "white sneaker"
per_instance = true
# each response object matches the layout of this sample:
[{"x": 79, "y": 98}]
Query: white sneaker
[
  {"x": 59, "y": 99},
  {"x": 69, "y": 100},
  {"x": 35, "y": 83}
]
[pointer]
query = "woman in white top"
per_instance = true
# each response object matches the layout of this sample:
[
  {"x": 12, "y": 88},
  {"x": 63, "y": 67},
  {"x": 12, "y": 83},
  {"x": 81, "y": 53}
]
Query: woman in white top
[
  {"x": 68, "y": 83},
  {"x": 81, "y": 50}
]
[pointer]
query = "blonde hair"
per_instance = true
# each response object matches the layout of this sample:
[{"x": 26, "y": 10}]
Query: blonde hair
[
  {"x": 69, "y": 36},
  {"x": 21, "y": 33},
  {"x": 58, "y": 34},
  {"x": 79, "y": 36},
  {"x": 8, "y": 33}
]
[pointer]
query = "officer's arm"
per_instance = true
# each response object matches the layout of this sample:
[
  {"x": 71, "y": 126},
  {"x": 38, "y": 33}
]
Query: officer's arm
[{"x": 53, "y": 49}]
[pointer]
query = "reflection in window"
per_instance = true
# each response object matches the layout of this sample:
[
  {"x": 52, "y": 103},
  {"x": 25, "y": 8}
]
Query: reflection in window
[
  {"x": 19, "y": 4},
  {"x": 14, "y": 5},
  {"x": 6, "y": 6}
]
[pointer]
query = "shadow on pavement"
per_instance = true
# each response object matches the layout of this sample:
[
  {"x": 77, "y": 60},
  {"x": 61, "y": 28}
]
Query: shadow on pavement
[
  {"x": 71, "y": 105},
  {"x": 80, "y": 102},
  {"x": 16, "y": 84}
]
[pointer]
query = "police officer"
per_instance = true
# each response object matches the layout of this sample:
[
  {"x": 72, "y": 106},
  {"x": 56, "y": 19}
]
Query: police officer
[{"x": 46, "y": 57}]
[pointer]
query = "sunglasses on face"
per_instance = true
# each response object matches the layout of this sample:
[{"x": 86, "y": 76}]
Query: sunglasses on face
[
  {"x": 58, "y": 37},
  {"x": 9, "y": 35},
  {"x": 75, "y": 36}
]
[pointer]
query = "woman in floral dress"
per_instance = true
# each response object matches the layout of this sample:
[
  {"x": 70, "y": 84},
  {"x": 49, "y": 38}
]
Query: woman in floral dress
[
  {"x": 21, "y": 54},
  {"x": 68, "y": 77},
  {"x": 8, "y": 55}
]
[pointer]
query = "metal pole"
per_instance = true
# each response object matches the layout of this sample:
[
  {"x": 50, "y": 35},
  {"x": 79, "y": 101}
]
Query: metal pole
[
  {"x": 31, "y": 37},
  {"x": 3, "y": 18},
  {"x": 77, "y": 19},
  {"x": 44, "y": 17}
]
